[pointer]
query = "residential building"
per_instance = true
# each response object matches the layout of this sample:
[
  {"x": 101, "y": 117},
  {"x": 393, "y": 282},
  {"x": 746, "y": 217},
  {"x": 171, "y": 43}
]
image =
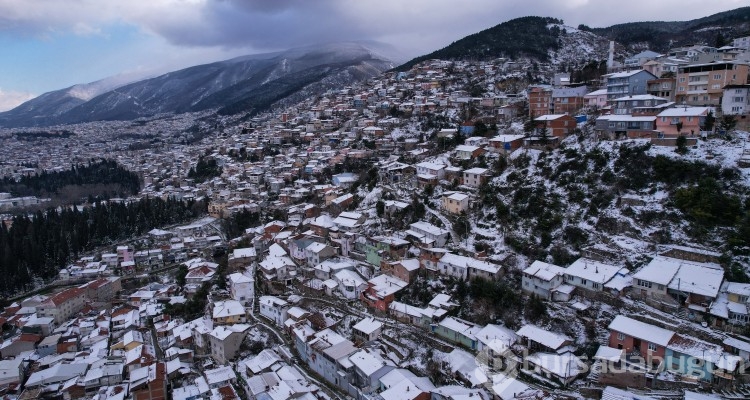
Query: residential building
[
  {"x": 621, "y": 84},
  {"x": 557, "y": 125},
  {"x": 568, "y": 100},
  {"x": 735, "y": 100},
  {"x": 475, "y": 177},
  {"x": 63, "y": 305},
  {"x": 542, "y": 279},
  {"x": 689, "y": 119},
  {"x": 455, "y": 202},
  {"x": 274, "y": 309},
  {"x": 428, "y": 234},
  {"x": 703, "y": 84},
  {"x": 224, "y": 342},
  {"x": 381, "y": 291},
  {"x": 228, "y": 312},
  {"x": 458, "y": 331},
  {"x": 241, "y": 287},
  {"x": 540, "y": 101},
  {"x": 595, "y": 276}
]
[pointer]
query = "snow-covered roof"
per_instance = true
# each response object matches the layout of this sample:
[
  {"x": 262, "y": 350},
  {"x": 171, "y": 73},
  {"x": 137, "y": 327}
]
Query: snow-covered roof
[
  {"x": 701, "y": 279},
  {"x": 385, "y": 285},
  {"x": 544, "y": 337},
  {"x": 369, "y": 362},
  {"x": 685, "y": 112},
  {"x": 564, "y": 365},
  {"x": 544, "y": 271},
  {"x": 660, "y": 270},
  {"x": 228, "y": 308},
  {"x": 368, "y": 325},
  {"x": 639, "y": 97},
  {"x": 594, "y": 271},
  {"x": 550, "y": 117},
  {"x": 463, "y": 327},
  {"x": 625, "y": 118},
  {"x": 496, "y": 337},
  {"x": 469, "y": 262},
  {"x": 641, "y": 330}
]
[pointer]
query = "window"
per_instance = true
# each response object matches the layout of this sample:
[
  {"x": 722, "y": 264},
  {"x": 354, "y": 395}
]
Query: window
[
  {"x": 681, "y": 89},
  {"x": 717, "y": 76},
  {"x": 652, "y": 346},
  {"x": 583, "y": 282},
  {"x": 742, "y": 299},
  {"x": 682, "y": 79},
  {"x": 620, "y": 336},
  {"x": 595, "y": 285},
  {"x": 738, "y": 99}
]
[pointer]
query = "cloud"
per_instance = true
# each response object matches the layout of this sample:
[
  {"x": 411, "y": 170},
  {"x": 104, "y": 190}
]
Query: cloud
[
  {"x": 278, "y": 24},
  {"x": 12, "y": 99}
]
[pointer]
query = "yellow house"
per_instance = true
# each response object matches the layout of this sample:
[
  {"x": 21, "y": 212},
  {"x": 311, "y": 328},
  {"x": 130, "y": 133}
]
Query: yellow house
[
  {"x": 228, "y": 312},
  {"x": 130, "y": 340},
  {"x": 455, "y": 202}
]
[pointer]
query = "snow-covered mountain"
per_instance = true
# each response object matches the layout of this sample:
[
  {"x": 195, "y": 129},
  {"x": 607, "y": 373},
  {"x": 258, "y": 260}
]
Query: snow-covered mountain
[{"x": 244, "y": 84}]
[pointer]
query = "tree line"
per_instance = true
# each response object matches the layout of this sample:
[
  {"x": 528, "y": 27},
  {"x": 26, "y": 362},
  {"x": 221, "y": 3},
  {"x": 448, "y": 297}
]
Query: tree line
[
  {"x": 95, "y": 172},
  {"x": 36, "y": 246}
]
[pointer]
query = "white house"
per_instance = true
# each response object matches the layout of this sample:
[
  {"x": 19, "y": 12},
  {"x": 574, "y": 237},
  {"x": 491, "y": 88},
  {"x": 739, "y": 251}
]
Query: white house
[
  {"x": 428, "y": 233},
  {"x": 541, "y": 279},
  {"x": 431, "y": 169},
  {"x": 592, "y": 275},
  {"x": 463, "y": 267},
  {"x": 475, "y": 177},
  {"x": 241, "y": 287},
  {"x": 274, "y": 309},
  {"x": 350, "y": 284}
]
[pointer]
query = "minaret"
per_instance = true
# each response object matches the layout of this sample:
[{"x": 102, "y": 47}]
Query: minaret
[{"x": 611, "y": 58}]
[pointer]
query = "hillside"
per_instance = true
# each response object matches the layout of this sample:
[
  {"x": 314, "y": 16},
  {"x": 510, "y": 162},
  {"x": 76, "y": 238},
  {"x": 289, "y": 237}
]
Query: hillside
[
  {"x": 520, "y": 37},
  {"x": 660, "y": 35},
  {"x": 244, "y": 84}
]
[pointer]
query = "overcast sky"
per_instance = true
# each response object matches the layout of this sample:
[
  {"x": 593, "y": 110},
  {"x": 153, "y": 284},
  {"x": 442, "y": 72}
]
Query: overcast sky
[{"x": 51, "y": 44}]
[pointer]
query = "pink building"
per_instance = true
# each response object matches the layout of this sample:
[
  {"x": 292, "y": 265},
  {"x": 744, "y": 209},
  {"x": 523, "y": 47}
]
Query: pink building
[{"x": 692, "y": 119}]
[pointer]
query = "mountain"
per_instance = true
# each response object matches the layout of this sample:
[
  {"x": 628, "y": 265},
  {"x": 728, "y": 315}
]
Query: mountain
[
  {"x": 660, "y": 35},
  {"x": 546, "y": 39},
  {"x": 526, "y": 36},
  {"x": 244, "y": 84}
]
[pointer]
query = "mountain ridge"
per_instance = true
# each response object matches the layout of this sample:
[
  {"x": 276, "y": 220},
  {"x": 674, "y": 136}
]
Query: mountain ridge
[{"x": 223, "y": 85}]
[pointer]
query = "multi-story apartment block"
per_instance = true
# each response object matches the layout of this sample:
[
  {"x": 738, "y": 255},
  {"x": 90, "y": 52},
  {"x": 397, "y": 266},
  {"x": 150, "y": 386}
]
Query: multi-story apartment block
[
  {"x": 63, "y": 305},
  {"x": 540, "y": 101},
  {"x": 627, "y": 83},
  {"x": 703, "y": 84},
  {"x": 568, "y": 100},
  {"x": 736, "y": 100}
]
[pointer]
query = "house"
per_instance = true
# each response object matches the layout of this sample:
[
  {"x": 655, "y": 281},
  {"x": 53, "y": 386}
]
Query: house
[
  {"x": 431, "y": 169},
  {"x": 466, "y": 268},
  {"x": 506, "y": 143},
  {"x": 455, "y": 202},
  {"x": 241, "y": 257},
  {"x": 63, "y": 305},
  {"x": 367, "y": 330},
  {"x": 696, "y": 284},
  {"x": 327, "y": 353},
  {"x": 350, "y": 284},
  {"x": 429, "y": 234},
  {"x": 381, "y": 291},
  {"x": 315, "y": 253},
  {"x": 563, "y": 368},
  {"x": 540, "y": 100},
  {"x": 241, "y": 287},
  {"x": 494, "y": 343},
  {"x": 736, "y": 100},
  {"x": 228, "y": 312},
  {"x": 557, "y": 125},
  {"x": 538, "y": 339},
  {"x": 595, "y": 276},
  {"x": 466, "y": 152},
  {"x": 344, "y": 180},
  {"x": 103, "y": 289},
  {"x": 690, "y": 120},
  {"x": 731, "y": 305},
  {"x": 224, "y": 342},
  {"x": 703, "y": 84},
  {"x": 568, "y": 100},
  {"x": 405, "y": 269},
  {"x": 616, "y": 126},
  {"x": 541, "y": 279},
  {"x": 458, "y": 331},
  {"x": 596, "y": 99},
  {"x": 637, "y": 60},
  {"x": 475, "y": 177},
  {"x": 636, "y": 337},
  {"x": 274, "y": 309},
  {"x": 369, "y": 367},
  {"x": 621, "y": 84}
]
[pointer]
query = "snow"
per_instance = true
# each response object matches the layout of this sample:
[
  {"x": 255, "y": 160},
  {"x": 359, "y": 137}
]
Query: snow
[
  {"x": 641, "y": 330},
  {"x": 368, "y": 325},
  {"x": 546, "y": 338}
]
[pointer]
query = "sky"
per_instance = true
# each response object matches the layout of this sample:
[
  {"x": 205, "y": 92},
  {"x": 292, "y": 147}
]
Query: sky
[{"x": 52, "y": 44}]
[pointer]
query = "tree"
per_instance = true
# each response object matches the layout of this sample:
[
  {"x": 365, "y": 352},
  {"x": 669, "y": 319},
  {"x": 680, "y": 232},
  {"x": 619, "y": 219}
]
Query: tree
[
  {"x": 380, "y": 208},
  {"x": 708, "y": 123},
  {"x": 720, "y": 41},
  {"x": 462, "y": 226},
  {"x": 727, "y": 123},
  {"x": 544, "y": 135},
  {"x": 678, "y": 126},
  {"x": 681, "y": 145}
]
